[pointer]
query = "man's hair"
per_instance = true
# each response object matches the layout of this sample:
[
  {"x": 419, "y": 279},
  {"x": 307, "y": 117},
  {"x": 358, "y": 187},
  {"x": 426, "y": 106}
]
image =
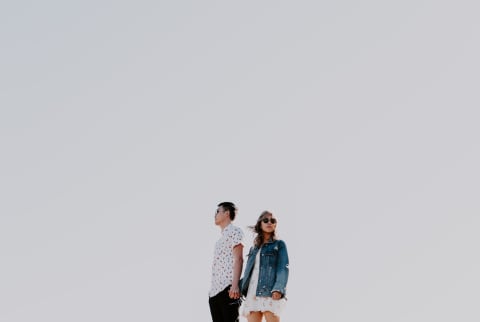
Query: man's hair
[{"x": 230, "y": 206}]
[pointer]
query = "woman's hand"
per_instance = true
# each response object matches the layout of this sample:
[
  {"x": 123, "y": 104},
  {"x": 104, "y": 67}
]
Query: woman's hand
[{"x": 276, "y": 295}]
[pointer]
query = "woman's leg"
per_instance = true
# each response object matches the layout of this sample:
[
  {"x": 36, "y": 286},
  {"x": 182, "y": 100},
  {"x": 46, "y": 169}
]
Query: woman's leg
[
  {"x": 255, "y": 317},
  {"x": 270, "y": 317}
]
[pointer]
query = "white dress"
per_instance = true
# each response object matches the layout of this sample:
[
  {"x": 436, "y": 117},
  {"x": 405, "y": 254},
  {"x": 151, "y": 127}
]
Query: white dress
[{"x": 253, "y": 303}]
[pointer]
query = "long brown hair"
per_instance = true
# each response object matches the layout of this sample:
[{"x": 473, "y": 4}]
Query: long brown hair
[{"x": 259, "y": 238}]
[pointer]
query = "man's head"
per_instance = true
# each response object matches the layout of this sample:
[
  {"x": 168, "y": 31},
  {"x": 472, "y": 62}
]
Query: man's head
[{"x": 226, "y": 211}]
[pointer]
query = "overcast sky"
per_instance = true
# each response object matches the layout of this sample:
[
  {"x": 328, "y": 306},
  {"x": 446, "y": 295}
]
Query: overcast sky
[{"x": 124, "y": 124}]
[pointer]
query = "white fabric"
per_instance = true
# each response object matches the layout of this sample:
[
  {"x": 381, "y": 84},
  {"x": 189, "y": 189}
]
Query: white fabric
[
  {"x": 222, "y": 268},
  {"x": 253, "y": 303}
]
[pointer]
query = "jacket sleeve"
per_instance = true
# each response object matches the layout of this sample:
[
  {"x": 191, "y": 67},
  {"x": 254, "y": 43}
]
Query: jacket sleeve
[
  {"x": 282, "y": 269},
  {"x": 246, "y": 275}
]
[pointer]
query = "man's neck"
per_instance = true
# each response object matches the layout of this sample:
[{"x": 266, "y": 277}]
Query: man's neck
[{"x": 223, "y": 225}]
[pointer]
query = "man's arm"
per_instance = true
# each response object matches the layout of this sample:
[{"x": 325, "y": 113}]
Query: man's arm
[{"x": 234, "y": 291}]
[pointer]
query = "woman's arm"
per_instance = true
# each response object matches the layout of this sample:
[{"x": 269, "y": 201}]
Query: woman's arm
[{"x": 282, "y": 269}]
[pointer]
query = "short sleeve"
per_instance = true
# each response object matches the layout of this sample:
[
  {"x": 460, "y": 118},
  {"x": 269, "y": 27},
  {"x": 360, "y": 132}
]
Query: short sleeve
[{"x": 236, "y": 237}]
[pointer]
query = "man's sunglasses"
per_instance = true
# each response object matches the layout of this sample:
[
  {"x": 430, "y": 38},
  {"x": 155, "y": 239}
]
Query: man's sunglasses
[{"x": 266, "y": 220}]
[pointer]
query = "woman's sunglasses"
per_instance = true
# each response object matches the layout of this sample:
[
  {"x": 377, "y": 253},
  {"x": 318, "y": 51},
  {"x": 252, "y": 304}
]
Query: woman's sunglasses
[{"x": 266, "y": 220}]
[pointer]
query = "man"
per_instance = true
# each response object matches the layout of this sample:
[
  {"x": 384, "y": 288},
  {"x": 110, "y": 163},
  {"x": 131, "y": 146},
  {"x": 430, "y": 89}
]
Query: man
[{"x": 224, "y": 295}]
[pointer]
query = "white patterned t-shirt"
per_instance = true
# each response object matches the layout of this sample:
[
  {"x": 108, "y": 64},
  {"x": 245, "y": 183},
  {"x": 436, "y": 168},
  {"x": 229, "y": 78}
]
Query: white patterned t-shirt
[{"x": 222, "y": 268}]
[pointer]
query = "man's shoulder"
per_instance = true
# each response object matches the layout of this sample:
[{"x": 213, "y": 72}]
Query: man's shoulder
[
  {"x": 235, "y": 227},
  {"x": 232, "y": 229}
]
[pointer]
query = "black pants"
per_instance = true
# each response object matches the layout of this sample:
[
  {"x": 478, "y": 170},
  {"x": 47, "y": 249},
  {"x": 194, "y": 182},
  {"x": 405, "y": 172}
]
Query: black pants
[{"x": 223, "y": 308}]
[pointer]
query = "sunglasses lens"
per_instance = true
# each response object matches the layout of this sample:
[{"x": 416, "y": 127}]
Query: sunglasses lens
[{"x": 272, "y": 220}]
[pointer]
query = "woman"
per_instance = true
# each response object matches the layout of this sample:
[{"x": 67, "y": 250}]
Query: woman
[{"x": 266, "y": 273}]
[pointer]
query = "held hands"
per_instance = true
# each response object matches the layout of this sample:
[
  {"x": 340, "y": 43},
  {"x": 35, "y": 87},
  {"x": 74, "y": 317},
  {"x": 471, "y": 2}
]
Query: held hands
[
  {"x": 276, "y": 295},
  {"x": 234, "y": 292}
]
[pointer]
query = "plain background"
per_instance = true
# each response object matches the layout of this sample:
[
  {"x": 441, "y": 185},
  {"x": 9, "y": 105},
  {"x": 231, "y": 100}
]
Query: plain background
[{"x": 123, "y": 125}]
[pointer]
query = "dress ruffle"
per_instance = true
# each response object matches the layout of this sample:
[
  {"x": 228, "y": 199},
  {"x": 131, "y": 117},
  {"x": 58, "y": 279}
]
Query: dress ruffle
[{"x": 253, "y": 303}]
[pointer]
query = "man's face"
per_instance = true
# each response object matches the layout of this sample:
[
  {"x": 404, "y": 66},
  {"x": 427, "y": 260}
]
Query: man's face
[{"x": 221, "y": 215}]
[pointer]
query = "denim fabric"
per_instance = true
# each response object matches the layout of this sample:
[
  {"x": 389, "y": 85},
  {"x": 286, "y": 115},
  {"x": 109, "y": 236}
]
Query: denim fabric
[{"x": 274, "y": 269}]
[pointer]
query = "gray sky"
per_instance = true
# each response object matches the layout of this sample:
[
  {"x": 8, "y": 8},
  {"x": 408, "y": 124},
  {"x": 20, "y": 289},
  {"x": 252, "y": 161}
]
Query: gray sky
[{"x": 124, "y": 124}]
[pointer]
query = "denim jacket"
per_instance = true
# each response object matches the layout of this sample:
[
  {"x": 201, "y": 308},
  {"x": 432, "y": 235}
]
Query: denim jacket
[{"x": 273, "y": 275}]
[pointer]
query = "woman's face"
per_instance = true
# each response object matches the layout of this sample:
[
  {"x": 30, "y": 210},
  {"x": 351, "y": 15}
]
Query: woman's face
[{"x": 268, "y": 223}]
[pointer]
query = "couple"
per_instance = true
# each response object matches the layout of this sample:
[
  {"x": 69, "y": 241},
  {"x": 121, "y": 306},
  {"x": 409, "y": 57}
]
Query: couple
[{"x": 261, "y": 291}]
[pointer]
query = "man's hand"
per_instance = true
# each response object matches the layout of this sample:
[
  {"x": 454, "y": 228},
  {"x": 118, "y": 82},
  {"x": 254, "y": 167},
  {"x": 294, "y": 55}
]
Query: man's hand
[{"x": 234, "y": 292}]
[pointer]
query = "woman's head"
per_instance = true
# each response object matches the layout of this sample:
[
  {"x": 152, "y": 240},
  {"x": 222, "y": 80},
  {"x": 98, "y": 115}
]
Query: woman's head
[{"x": 265, "y": 227}]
